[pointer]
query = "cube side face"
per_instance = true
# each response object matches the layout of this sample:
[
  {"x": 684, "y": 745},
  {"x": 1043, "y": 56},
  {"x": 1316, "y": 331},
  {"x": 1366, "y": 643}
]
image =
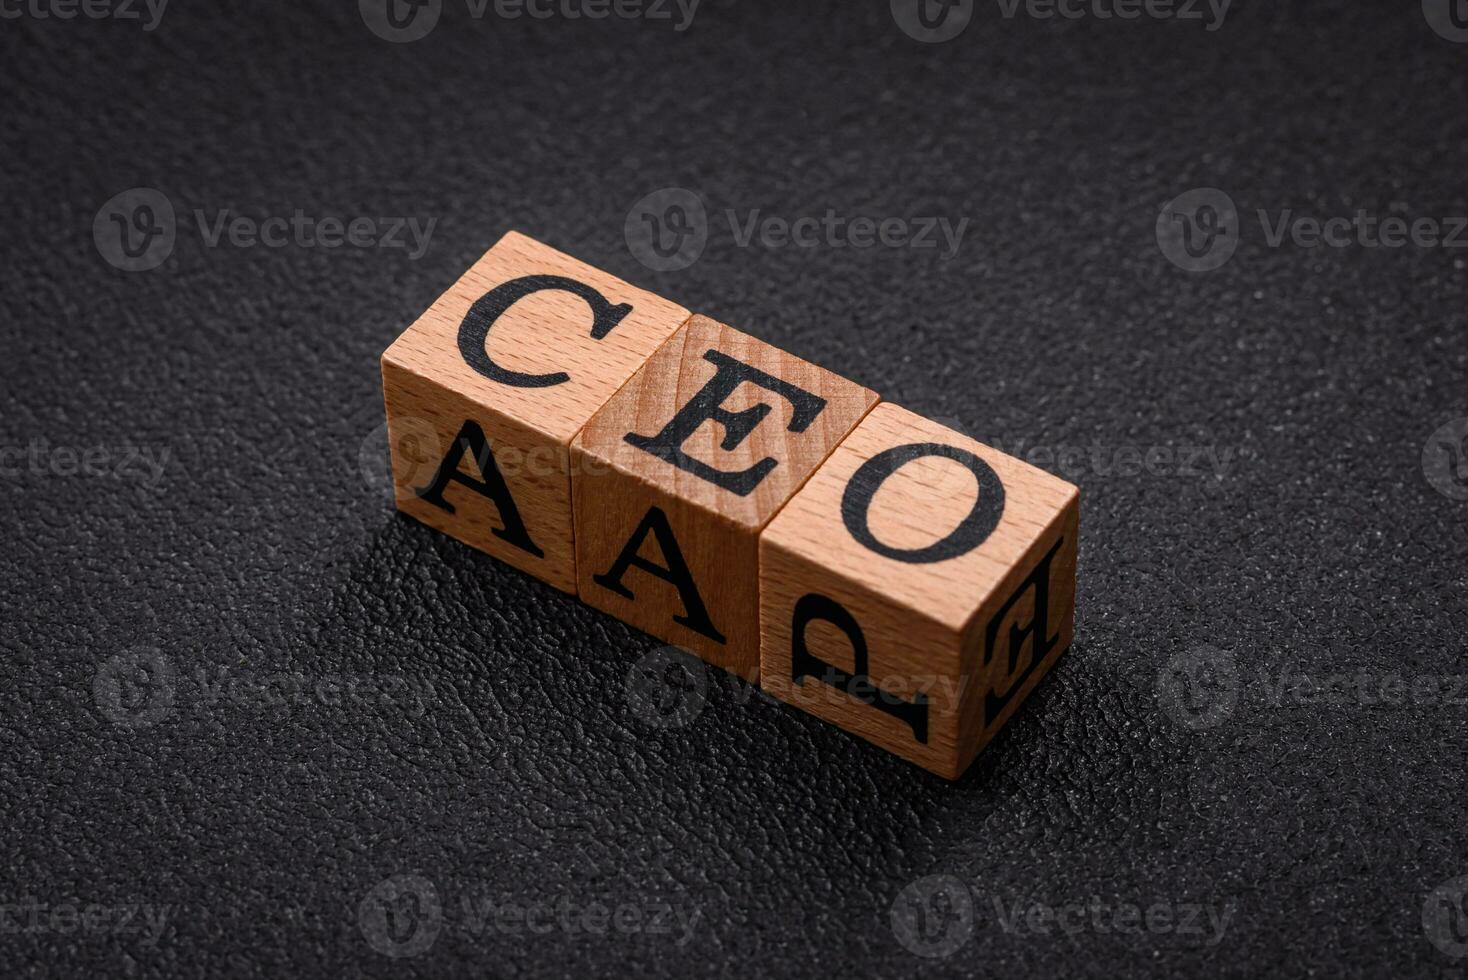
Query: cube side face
[
  {"x": 912, "y": 541},
  {"x": 1020, "y": 632},
  {"x": 699, "y": 449},
  {"x": 508, "y": 365},
  {"x": 434, "y": 431}
]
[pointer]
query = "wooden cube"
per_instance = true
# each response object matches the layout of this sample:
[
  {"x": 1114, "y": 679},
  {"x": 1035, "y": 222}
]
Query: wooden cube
[
  {"x": 917, "y": 588},
  {"x": 675, "y": 477},
  {"x": 486, "y": 390}
]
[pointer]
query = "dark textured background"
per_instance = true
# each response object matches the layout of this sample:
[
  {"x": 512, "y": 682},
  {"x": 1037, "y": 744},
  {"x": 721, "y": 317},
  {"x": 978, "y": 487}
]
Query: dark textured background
[{"x": 268, "y": 549}]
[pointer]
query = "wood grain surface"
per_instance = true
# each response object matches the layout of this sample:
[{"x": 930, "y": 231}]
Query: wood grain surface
[
  {"x": 953, "y": 630},
  {"x": 550, "y": 375},
  {"x": 715, "y": 484}
]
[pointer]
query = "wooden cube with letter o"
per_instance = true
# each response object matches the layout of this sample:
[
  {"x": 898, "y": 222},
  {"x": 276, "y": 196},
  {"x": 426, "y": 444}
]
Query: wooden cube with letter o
[{"x": 917, "y": 588}]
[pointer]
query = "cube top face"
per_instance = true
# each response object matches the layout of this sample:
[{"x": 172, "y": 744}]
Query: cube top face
[
  {"x": 931, "y": 521},
  {"x": 536, "y": 336},
  {"x": 724, "y": 422}
]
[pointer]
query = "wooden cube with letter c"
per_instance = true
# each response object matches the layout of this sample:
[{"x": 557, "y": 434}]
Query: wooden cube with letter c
[
  {"x": 917, "y": 588},
  {"x": 676, "y": 476},
  {"x": 486, "y": 390}
]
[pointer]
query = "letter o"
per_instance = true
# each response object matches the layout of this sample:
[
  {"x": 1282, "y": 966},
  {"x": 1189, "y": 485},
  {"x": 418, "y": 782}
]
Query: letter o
[{"x": 969, "y": 534}]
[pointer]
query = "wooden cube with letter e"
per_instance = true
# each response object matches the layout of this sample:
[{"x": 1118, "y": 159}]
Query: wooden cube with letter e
[
  {"x": 917, "y": 588},
  {"x": 677, "y": 475},
  {"x": 485, "y": 391}
]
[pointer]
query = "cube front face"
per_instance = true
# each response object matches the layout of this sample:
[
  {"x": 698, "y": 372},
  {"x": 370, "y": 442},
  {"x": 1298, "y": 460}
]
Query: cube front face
[
  {"x": 495, "y": 379},
  {"x": 917, "y": 588},
  {"x": 677, "y": 475},
  {"x": 443, "y": 445}
]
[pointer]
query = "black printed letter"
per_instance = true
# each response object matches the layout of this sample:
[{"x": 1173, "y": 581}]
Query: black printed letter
[
  {"x": 707, "y": 405},
  {"x": 676, "y": 573},
  {"x": 492, "y": 305},
  {"x": 857, "y": 684},
  {"x": 471, "y": 440},
  {"x": 977, "y": 526},
  {"x": 1008, "y": 677}
]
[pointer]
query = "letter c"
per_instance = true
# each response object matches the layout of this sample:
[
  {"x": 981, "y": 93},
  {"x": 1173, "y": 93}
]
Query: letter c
[{"x": 474, "y": 331}]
